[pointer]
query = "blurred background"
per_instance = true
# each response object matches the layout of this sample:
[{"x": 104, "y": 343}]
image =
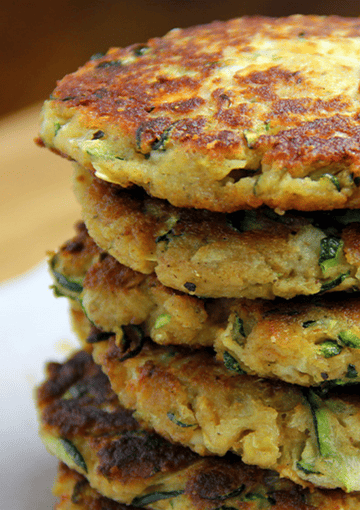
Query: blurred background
[{"x": 42, "y": 41}]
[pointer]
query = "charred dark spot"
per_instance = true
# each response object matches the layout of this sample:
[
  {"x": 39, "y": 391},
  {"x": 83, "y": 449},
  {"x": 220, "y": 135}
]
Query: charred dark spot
[
  {"x": 142, "y": 454},
  {"x": 61, "y": 377},
  {"x": 81, "y": 412}
]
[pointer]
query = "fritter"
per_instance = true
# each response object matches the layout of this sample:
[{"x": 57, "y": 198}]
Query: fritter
[
  {"x": 75, "y": 493},
  {"x": 302, "y": 341},
  {"x": 192, "y": 399},
  {"x": 268, "y": 491},
  {"x": 246, "y": 254},
  {"x": 83, "y": 424},
  {"x": 224, "y": 116}
]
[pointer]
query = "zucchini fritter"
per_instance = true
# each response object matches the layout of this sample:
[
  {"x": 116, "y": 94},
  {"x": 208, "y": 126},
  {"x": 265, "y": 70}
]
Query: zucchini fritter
[
  {"x": 83, "y": 424},
  {"x": 303, "y": 341},
  {"x": 224, "y": 116},
  {"x": 191, "y": 398},
  {"x": 268, "y": 492},
  {"x": 245, "y": 254}
]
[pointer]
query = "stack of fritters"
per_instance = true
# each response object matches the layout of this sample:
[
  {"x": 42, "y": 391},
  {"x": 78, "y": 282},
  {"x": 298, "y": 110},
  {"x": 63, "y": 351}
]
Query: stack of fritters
[{"x": 214, "y": 279}]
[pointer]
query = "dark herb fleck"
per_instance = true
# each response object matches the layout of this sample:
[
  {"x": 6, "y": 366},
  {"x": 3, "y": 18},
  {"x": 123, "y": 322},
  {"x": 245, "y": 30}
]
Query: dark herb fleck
[
  {"x": 99, "y": 134},
  {"x": 191, "y": 287}
]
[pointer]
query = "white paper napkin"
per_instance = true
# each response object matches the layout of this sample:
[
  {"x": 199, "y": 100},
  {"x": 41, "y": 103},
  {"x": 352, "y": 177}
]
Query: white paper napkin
[{"x": 34, "y": 329}]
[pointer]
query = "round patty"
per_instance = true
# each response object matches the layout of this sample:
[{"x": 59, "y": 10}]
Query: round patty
[
  {"x": 191, "y": 398},
  {"x": 82, "y": 423},
  {"x": 245, "y": 254},
  {"x": 306, "y": 341},
  {"x": 224, "y": 116},
  {"x": 268, "y": 492}
]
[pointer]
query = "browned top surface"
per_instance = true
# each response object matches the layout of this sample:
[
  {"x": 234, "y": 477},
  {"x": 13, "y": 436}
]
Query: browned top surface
[
  {"x": 146, "y": 89},
  {"x": 94, "y": 412}
]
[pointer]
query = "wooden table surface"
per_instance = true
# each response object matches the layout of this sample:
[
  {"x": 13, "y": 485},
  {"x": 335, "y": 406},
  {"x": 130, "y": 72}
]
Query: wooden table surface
[{"x": 37, "y": 207}]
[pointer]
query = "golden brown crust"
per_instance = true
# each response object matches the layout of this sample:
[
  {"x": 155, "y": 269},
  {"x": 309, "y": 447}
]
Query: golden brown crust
[
  {"x": 121, "y": 459},
  {"x": 306, "y": 341},
  {"x": 191, "y": 398},
  {"x": 205, "y": 484},
  {"x": 267, "y": 492},
  {"x": 245, "y": 254},
  {"x": 223, "y": 116}
]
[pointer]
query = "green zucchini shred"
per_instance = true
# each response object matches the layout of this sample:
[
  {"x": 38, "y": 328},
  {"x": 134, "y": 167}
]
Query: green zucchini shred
[
  {"x": 141, "y": 501},
  {"x": 342, "y": 467},
  {"x": 159, "y": 145},
  {"x": 231, "y": 364},
  {"x": 75, "y": 391},
  {"x": 333, "y": 179},
  {"x": 173, "y": 418},
  {"x": 162, "y": 320},
  {"x": 229, "y": 495},
  {"x": 307, "y": 468},
  {"x": 329, "y": 349},
  {"x": 330, "y": 252},
  {"x": 74, "y": 453},
  {"x": 334, "y": 283},
  {"x": 67, "y": 284},
  {"x": 238, "y": 328},
  {"x": 349, "y": 339},
  {"x": 250, "y": 138},
  {"x": 322, "y": 425}
]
